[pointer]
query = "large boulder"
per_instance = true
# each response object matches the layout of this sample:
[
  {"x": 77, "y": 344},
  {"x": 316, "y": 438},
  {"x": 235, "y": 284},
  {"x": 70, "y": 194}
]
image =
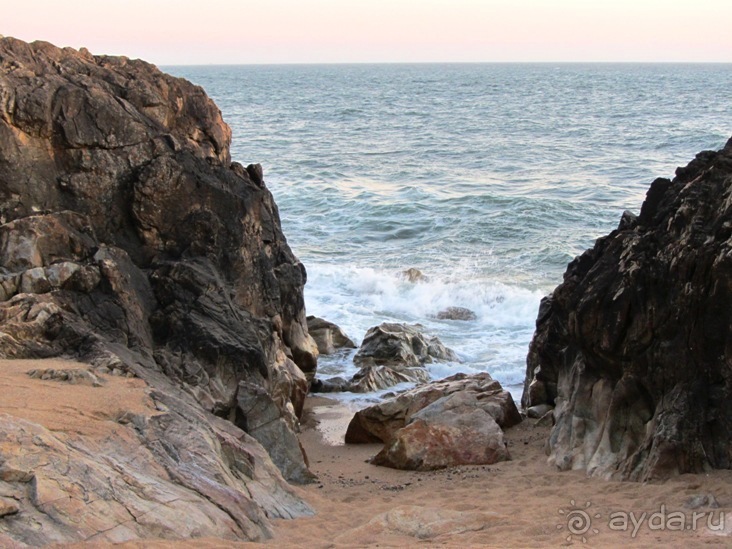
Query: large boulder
[
  {"x": 634, "y": 348},
  {"x": 462, "y": 392},
  {"x": 445, "y": 438},
  {"x": 401, "y": 345},
  {"x": 130, "y": 241},
  {"x": 396, "y": 353},
  {"x": 461, "y": 428}
]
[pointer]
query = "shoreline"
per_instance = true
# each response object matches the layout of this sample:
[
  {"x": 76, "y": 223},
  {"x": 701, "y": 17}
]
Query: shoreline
[{"x": 524, "y": 502}]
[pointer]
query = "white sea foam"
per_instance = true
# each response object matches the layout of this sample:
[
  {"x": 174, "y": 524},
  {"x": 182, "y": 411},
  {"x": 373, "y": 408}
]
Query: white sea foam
[{"x": 358, "y": 298}]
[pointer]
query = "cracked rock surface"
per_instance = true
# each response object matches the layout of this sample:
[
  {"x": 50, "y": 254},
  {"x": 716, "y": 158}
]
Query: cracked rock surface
[
  {"x": 131, "y": 242},
  {"x": 634, "y": 348},
  {"x": 121, "y": 461}
]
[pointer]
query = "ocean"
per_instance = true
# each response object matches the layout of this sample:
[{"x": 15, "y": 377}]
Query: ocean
[{"x": 488, "y": 178}]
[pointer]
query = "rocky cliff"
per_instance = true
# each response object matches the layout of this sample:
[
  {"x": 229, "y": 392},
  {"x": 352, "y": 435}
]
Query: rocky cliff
[
  {"x": 635, "y": 346},
  {"x": 131, "y": 242}
]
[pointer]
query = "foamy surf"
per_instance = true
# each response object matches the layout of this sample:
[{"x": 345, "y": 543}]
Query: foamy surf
[{"x": 358, "y": 298}]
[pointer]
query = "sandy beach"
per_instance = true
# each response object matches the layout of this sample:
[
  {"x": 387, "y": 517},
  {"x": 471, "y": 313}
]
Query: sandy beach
[{"x": 520, "y": 503}]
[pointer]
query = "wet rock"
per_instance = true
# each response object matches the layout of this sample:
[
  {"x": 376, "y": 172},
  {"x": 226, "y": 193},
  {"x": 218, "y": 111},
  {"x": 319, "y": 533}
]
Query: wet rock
[
  {"x": 414, "y": 275},
  {"x": 456, "y": 313},
  {"x": 632, "y": 348},
  {"x": 395, "y": 353},
  {"x": 331, "y": 385},
  {"x": 401, "y": 345},
  {"x": 328, "y": 337},
  {"x": 372, "y": 378}
]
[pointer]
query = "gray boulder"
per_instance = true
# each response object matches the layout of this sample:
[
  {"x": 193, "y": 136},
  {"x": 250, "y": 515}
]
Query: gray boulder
[
  {"x": 456, "y": 313},
  {"x": 328, "y": 336},
  {"x": 401, "y": 345},
  {"x": 394, "y": 353}
]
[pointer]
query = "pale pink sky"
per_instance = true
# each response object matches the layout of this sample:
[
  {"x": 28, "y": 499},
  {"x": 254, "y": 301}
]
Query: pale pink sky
[{"x": 316, "y": 31}]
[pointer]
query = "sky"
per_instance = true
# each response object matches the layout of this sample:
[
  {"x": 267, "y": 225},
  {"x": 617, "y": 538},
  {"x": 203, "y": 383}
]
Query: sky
[{"x": 191, "y": 32}]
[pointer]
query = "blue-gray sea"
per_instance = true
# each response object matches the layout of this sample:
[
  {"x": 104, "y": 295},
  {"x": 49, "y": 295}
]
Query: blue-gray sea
[{"x": 489, "y": 178}]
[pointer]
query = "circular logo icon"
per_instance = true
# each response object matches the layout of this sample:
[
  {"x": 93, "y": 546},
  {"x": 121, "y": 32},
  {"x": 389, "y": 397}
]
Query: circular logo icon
[{"x": 578, "y": 521}]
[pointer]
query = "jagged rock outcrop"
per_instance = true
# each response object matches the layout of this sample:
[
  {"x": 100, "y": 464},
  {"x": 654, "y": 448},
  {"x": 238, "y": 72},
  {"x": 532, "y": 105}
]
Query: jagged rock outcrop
[
  {"x": 130, "y": 241},
  {"x": 116, "y": 460},
  {"x": 635, "y": 346},
  {"x": 455, "y": 421}
]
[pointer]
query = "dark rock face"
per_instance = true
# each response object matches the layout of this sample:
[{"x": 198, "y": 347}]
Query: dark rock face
[
  {"x": 634, "y": 347},
  {"x": 130, "y": 241}
]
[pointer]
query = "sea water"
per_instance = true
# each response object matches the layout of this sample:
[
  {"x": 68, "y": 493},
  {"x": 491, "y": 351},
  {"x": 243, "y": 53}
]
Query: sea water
[{"x": 488, "y": 178}]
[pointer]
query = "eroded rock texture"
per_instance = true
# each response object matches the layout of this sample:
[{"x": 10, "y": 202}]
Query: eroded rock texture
[
  {"x": 394, "y": 353},
  {"x": 130, "y": 241},
  {"x": 635, "y": 346},
  {"x": 456, "y": 421}
]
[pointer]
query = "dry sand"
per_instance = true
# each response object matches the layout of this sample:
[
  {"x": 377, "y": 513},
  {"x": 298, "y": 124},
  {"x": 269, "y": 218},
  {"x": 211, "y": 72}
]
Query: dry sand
[
  {"x": 515, "y": 503},
  {"x": 65, "y": 407},
  {"x": 520, "y": 503}
]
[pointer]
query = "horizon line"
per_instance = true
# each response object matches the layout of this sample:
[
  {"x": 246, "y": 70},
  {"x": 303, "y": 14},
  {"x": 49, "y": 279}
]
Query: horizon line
[{"x": 335, "y": 63}]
